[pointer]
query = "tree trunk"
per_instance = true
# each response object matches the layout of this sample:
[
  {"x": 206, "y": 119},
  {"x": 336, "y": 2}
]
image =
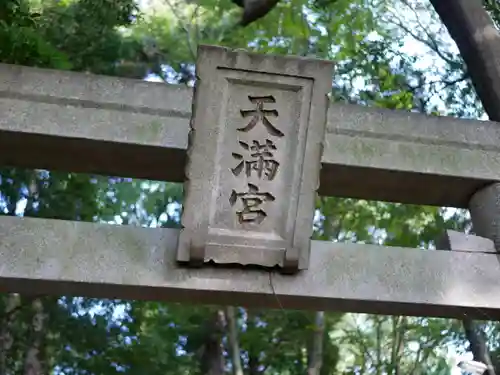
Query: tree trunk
[
  {"x": 253, "y": 355},
  {"x": 478, "y": 41},
  {"x": 234, "y": 347},
  {"x": 212, "y": 360},
  {"x": 478, "y": 345},
  {"x": 331, "y": 353},
  {"x": 12, "y": 305},
  {"x": 315, "y": 350},
  {"x": 399, "y": 326},
  {"x": 33, "y": 357}
]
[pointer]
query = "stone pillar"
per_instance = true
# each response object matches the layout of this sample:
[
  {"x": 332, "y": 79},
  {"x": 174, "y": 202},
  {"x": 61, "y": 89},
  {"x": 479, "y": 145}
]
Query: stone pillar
[{"x": 484, "y": 208}]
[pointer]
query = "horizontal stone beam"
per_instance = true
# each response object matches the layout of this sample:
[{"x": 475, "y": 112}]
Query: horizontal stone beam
[
  {"x": 73, "y": 258},
  {"x": 406, "y": 157},
  {"x": 87, "y": 123},
  {"x": 114, "y": 126}
]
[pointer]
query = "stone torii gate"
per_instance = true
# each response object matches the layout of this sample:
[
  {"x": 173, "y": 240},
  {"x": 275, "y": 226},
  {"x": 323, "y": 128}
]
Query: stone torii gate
[{"x": 263, "y": 139}]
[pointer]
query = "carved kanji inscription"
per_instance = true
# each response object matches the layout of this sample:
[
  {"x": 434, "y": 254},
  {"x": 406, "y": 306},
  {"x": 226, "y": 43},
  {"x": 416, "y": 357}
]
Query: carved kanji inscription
[
  {"x": 252, "y": 201},
  {"x": 258, "y": 158},
  {"x": 259, "y": 114},
  {"x": 253, "y": 159}
]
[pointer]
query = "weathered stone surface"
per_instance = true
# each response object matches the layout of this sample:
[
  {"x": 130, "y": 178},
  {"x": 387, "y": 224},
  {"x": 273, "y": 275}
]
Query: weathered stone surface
[
  {"x": 94, "y": 91},
  {"x": 106, "y": 125},
  {"x": 68, "y": 121},
  {"x": 254, "y": 158},
  {"x": 458, "y": 241},
  {"x": 98, "y": 260},
  {"x": 484, "y": 209},
  {"x": 124, "y": 127},
  {"x": 407, "y": 157}
]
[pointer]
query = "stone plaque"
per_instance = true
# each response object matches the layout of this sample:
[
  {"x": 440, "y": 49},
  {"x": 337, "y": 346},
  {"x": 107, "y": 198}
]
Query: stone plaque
[{"x": 254, "y": 155}]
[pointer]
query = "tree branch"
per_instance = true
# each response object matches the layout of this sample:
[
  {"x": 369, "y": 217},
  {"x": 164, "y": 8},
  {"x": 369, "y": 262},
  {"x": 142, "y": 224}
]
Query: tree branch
[
  {"x": 478, "y": 41},
  {"x": 478, "y": 344},
  {"x": 182, "y": 23},
  {"x": 234, "y": 348}
]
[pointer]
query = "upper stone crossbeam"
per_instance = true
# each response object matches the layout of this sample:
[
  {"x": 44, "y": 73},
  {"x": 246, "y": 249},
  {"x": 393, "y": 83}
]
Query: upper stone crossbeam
[{"x": 129, "y": 125}]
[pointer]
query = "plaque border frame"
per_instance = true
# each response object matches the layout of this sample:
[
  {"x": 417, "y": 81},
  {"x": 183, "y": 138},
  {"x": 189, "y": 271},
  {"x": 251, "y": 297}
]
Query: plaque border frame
[{"x": 214, "y": 67}]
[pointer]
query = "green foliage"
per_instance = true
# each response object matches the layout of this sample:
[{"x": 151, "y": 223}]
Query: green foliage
[
  {"x": 20, "y": 40},
  {"x": 89, "y": 336},
  {"x": 493, "y": 7},
  {"x": 86, "y": 31}
]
